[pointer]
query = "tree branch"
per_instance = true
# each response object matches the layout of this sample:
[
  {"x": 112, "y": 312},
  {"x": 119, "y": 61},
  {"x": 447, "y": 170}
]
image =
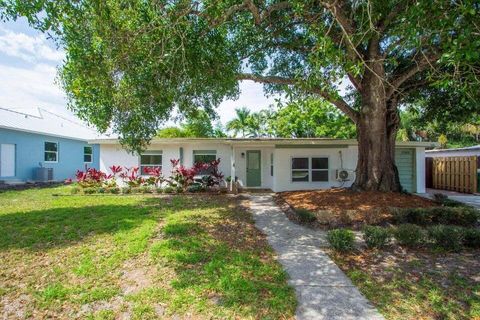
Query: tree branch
[
  {"x": 384, "y": 23},
  {"x": 337, "y": 101},
  {"x": 424, "y": 63}
]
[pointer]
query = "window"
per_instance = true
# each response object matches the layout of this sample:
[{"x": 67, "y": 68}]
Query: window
[
  {"x": 51, "y": 152},
  {"x": 319, "y": 169},
  {"x": 271, "y": 164},
  {"x": 87, "y": 154},
  {"x": 313, "y": 169},
  {"x": 151, "y": 160},
  {"x": 204, "y": 156},
  {"x": 300, "y": 169}
]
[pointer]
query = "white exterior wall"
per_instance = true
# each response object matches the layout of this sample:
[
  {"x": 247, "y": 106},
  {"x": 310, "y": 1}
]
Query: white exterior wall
[
  {"x": 241, "y": 163},
  {"x": 116, "y": 155},
  {"x": 281, "y": 180},
  {"x": 223, "y": 153},
  {"x": 283, "y": 172}
]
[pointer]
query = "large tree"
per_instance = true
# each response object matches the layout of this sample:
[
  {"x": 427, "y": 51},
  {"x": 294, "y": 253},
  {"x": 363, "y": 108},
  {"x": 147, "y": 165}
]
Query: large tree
[{"x": 129, "y": 63}]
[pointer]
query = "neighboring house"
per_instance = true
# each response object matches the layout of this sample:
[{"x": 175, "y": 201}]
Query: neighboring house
[
  {"x": 34, "y": 138},
  {"x": 268, "y": 163},
  {"x": 454, "y": 152}
]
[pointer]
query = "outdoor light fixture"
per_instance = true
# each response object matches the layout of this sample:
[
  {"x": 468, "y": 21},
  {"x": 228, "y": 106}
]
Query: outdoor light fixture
[{"x": 243, "y": 154}]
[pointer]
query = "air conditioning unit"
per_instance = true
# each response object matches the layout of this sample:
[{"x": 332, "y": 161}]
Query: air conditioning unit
[
  {"x": 43, "y": 174},
  {"x": 344, "y": 175}
]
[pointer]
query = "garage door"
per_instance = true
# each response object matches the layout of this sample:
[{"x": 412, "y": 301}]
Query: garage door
[{"x": 405, "y": 161}]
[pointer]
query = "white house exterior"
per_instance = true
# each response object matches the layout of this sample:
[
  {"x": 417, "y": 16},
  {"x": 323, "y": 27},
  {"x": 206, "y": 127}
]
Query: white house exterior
[{"x": 268, "y": 163}]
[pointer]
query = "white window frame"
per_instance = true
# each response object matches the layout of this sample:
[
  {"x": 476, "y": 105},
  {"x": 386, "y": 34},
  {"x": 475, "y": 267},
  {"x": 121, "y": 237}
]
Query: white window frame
[
  {"x": 327, "y": 170},
  {"x": 45, "y": 151},
  {"x": 310, "y": 169},
  {"x": 91, "y": 154},
  {"x": 205, "y": 153},
  {"x": 307, "y": 169},
  {"x": 149, "y": 153}
]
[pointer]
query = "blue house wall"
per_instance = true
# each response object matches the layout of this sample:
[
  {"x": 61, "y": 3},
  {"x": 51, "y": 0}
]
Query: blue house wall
[{"x": 29, "y": 152}]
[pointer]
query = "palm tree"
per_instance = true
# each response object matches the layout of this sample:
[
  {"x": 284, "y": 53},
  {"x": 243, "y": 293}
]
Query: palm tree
[{"x": 240, "y": 123}]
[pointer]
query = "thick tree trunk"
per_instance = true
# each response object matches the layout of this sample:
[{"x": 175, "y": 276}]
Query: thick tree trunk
[
  {"x": 377, "y": 126},
  {"x": 376, "y": 168}
]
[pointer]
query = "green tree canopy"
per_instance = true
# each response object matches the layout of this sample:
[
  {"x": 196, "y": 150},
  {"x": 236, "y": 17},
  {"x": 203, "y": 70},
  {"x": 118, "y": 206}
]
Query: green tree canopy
[
  {"x": 198, "y": 125},
  {"x": 130, "y": 63},
  {"x": 310, "y": 118}
]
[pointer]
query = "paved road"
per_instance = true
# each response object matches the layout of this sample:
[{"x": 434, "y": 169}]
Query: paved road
[{"x": 323, "y": 290}]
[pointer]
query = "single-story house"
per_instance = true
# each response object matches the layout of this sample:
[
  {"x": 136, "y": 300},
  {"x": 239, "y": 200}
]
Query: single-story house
[
  {"x": 269, "y": 163},
  {"x": 38, "y": 145}
]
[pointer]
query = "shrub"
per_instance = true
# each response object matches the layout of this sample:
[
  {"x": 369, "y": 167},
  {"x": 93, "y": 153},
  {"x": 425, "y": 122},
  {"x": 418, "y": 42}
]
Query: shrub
[
  {"x": 75, "y": 190},
  {"x": 471, "y": 238},
  {"x": 90, "y": 178},
  {"x": 420, "y": 216},
  {"x": 409, "y": 235},
  {"x": 305, "y": 215},
  {"x": 126, "y": 190},
  {"x": 446, "y": 237},
  {"x": 376, "y": 237},
  {"x": 101, "y": 190},
  {"x": 135, "y": 190},
  {"x": 195, "y": 188},
  {"x": 145, "y": 189},
  {"x": 168, "y": 189},
  {"x": 462, "y": 216},
  {"x": 158, "y": 190},
  {"x": 89, "y": 190},
  {"x": 341, "y": 239},
  {"x": 114, "y": 190},
  {"x": 445, "y": 201}
]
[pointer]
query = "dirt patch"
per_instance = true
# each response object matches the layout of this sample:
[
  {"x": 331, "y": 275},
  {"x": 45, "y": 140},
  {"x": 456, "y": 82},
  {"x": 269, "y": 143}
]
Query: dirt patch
[
  {"x": 15, "y": 307},
  {"x": 343, "y": 207}
]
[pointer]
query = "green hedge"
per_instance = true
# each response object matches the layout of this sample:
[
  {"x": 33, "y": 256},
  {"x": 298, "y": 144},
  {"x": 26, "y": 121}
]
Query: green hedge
[{"x": 460, "y": 216}]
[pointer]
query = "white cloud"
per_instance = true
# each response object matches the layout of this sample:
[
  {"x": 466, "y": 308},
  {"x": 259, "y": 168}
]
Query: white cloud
[
  {"x": 30, "y": 88},
  {"x": 28, "y": 48},
  {"x": 251, "y": 96}
]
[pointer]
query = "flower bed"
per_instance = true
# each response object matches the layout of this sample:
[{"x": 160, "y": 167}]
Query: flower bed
[{"x": 125, "y": 180}]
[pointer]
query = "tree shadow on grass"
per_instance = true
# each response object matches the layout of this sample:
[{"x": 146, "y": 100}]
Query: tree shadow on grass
[
  {"x": 56, "y": 227},
  {"x": 223, "y": 259}
]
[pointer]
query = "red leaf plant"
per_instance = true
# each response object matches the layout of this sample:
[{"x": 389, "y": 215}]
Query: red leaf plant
[
  {"x": 181, "y": 176},
  {"x": 131, "y": 177},
  {"x": 91, "y": 177},
  {"x": 155, "y": 176}
]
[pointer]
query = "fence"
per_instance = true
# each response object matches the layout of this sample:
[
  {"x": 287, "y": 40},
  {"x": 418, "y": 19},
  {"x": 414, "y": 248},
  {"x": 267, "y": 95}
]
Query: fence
[{"x": 455, "y": 174}]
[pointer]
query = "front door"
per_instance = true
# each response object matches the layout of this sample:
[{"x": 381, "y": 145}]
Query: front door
[
  {"x": 7, "y": 160},
  {"x": 253, "y": 168}
]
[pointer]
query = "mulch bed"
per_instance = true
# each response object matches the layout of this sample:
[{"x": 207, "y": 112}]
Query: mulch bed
[{"x": 343, "y": 207}]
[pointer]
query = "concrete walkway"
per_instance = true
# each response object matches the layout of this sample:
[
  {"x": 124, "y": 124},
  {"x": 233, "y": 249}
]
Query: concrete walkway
[{"x": 323, "y": 290}]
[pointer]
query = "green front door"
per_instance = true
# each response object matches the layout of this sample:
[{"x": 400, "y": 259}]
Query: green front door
[{"x": 253, "y": 168}]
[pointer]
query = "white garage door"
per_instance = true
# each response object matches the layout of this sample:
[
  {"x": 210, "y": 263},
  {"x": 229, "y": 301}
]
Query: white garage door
[{"x": 7, "y": 160}]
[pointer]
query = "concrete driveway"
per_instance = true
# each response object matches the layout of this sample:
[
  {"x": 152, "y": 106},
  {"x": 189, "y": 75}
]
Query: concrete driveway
[{"x": 469, "y": 199}]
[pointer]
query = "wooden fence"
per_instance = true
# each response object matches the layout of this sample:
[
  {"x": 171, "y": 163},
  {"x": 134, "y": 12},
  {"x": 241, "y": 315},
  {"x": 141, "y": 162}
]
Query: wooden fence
[{"x": 455, "y": 174}]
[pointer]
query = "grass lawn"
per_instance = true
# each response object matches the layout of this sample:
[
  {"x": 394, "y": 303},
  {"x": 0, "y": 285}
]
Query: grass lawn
[
  {"x": 139, "y": 257},
  {"x": 416, "y": 284}
]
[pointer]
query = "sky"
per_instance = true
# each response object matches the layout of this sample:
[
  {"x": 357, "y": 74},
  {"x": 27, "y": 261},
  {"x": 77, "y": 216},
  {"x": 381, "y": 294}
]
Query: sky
[{"x": 29, "y": 62}]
